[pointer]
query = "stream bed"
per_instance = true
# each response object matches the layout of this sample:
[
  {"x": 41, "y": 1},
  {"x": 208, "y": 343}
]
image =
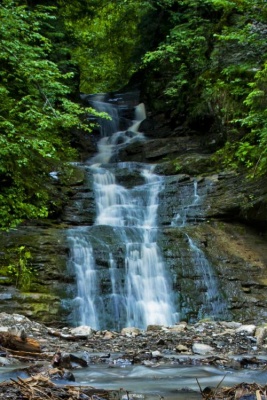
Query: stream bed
[{"x": 168, "y": 381}]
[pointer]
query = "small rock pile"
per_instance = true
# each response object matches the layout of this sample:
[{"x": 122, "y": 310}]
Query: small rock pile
[{"x": 222, "y": 343}]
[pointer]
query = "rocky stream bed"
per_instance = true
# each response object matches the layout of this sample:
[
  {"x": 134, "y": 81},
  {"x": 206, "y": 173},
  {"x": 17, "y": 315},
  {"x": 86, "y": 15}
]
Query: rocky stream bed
[{"x": 41, "y": 362}]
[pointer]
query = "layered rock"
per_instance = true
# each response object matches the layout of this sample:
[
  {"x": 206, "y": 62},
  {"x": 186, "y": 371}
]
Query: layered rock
[{"x": 227, "y": 224}]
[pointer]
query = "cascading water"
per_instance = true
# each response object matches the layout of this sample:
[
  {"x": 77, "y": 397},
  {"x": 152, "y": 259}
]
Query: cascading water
[
  {"x": 213, "y": 304},
  {"x": 82, "y": 257},
  {"x": 180, "y": 218},
  {"x": 143, "y": 295}
]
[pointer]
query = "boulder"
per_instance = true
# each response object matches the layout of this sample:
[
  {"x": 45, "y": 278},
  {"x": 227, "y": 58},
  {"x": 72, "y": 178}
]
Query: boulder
[{"x": 82, "y": 331}]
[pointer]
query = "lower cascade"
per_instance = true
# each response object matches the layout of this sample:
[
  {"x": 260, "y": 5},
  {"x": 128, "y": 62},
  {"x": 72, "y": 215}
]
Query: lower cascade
[{"x": 122, "y": 279}]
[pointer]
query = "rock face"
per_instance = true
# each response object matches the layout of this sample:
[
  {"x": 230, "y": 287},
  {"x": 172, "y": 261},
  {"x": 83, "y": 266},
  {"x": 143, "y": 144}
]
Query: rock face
[{"x": 211, "y": 224}]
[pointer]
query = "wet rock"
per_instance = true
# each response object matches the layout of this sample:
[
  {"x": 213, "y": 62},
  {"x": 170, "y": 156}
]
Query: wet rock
[
  {"x": 261, "y": 334},
  {"x": 108, "y": 335},
  {"x": 82, "y": 331},
  {"x": 230, "y": 324},
  {"x": 61, "y": 375},
  {"x": 200, "y": 348},
  {"x": 178, "y": 328},
  {"x": 248, "y": 329},
  {"x": 16, "y": 323},
  {"x": 154, "y": 328},
  {"x": 130, "y": 332},
  {"x": 156, "y": 354},
  {"x": 181, "y": 348},
  {"x": 5, "y": 361}
]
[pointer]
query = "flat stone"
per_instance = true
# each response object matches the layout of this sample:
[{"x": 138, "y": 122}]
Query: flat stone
[
  {"x": 154, "y": 328},
  {"x": 130, "y": 332},
  {"x": 200, "y": 348},
  {"x": 178, "y": 328},
  {"x": 156, "y": 353},
  {"x": 249, "y": 329},
  {"x": 83, "y": 330},
  {"x": 230, "y": 324}
]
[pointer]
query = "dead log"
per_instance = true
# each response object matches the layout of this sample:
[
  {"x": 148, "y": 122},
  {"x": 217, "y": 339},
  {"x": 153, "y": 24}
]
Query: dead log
[{"x": 14, "y": 342}]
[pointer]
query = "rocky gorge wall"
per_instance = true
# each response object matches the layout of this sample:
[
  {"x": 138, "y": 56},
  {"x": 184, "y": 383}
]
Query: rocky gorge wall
[{"x": 227, "y": 224}]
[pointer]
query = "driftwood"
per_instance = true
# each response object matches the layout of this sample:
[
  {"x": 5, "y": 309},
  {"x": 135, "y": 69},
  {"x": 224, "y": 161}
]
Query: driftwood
[
  {"x": 19, "y": 344},
  {"x": 67, "y": 336},
  {"x": 240, "y": 391},
  {"x": 40, "y": 387}
]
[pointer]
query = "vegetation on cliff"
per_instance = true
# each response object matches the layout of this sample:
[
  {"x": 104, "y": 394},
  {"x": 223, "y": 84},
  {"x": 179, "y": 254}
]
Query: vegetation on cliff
[
  {"x": 211, "y": 69},
  {"x": 37, "y": 111},
  {"x": 203, "y": 62}
]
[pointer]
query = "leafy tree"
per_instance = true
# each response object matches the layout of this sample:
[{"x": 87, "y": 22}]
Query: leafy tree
[
  {"x": 239, "y": 59},
  {"x": 212, "y": 62},
  {"x": 104, "y": 37},
  {"x": 36, "y": 114}
]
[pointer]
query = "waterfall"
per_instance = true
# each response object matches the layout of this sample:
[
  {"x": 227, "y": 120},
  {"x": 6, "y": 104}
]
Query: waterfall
[
  {"x": 83, "y": 262},
  {"x": 142, "y": 294},
  {"x": 189, "y": 202},
  {"x": 213, "y": 304}
]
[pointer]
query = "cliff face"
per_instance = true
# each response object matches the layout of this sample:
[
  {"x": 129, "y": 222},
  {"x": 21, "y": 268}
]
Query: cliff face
[{"x": 226, "y": 224}]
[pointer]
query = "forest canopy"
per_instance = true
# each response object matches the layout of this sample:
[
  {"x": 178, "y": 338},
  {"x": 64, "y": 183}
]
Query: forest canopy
[
  {"x": 212, "y": 65},
  {"x": 201, "y": 59}
]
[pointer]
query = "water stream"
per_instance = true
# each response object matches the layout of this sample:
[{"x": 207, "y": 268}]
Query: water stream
[
  {"x": 144, "y": 295},
  {"x": 122, "y": 279},
  {"x": 171, "y": 382},
  {"x": 213, "y": 304}
]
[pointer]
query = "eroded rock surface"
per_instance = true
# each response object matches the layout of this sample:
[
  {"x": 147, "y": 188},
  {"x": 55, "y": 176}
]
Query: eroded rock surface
[{"x": 222, "y": 212}]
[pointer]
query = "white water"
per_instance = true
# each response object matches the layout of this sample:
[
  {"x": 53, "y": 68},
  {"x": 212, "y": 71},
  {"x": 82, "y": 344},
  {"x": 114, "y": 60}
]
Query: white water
[
  {"x": 87, "y": 285},
  {"x": 206, "y": 282},
  {"x": 169, "y": 382},
  {"x": 145, "y": 296},
  {"x": 146, "y": 291},
  {"x": 213, "y": 304},
  {"x": 180, "y": 218}
]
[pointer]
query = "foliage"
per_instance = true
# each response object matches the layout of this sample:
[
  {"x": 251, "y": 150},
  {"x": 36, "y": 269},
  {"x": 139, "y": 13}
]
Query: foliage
[
  {"x": 212, "y": 62},
  {"x": 36, "y": 114},
  {"x": 105, "y": 35},
  {"x": 21, "y": 271},
  {"x": 203, "y": 59}
]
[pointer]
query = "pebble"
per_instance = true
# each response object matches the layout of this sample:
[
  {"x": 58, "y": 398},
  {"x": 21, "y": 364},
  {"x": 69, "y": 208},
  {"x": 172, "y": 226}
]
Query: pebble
[{"x": 222, "y": 340}]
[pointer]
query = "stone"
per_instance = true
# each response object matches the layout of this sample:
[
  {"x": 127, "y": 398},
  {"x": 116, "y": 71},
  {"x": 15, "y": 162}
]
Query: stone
[
  {"x": 108, "y": 335},
  {"x": 130, "y": 332},
  {"x": 230, "y": 324},
  {"x": 260, "y": 334},
  {"x": 222, "y": 197},
  {"x": 82, "y": 330},
  {"x": 181, "y": 348},
  {"x": 154, "y": 328},
  {"x": 4, "y": 361},
  {"x": 248, "y": 329},
  {"x": 200, "y": 348},
  {"x": 178, "y": 328},
  {"x": 156, "y": 354}
]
